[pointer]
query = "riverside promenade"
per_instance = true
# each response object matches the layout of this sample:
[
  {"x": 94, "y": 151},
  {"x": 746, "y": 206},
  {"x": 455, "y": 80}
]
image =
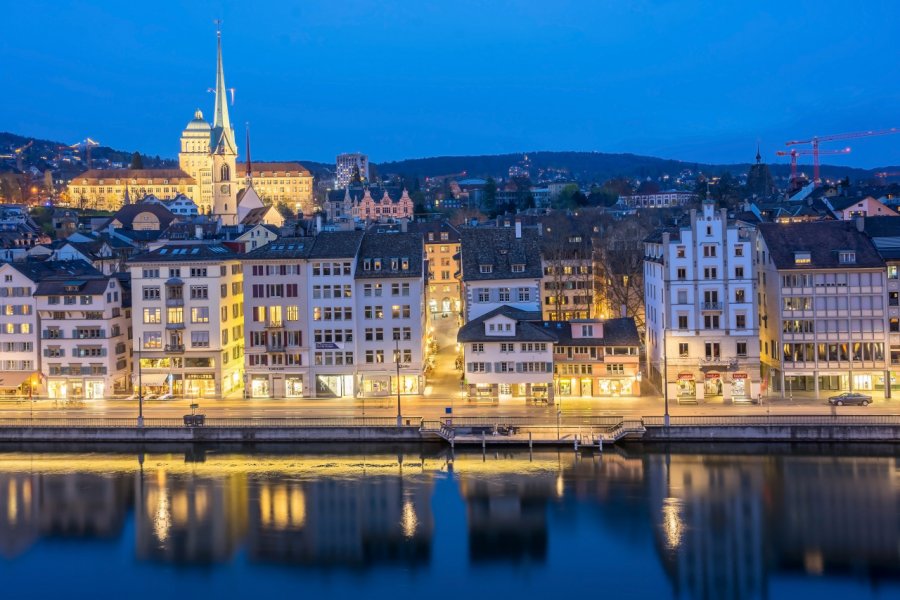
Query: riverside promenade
[{"x": 494, "y": 430}]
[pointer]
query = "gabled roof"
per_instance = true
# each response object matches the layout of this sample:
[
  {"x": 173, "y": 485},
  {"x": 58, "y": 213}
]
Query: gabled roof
[
  {"x": 526, "y": 328},
  {"x": 39, "y": 270},
  {"x": 128, "y": 213},
  {"x": 616, "y": 332},
  {"x": 823, "y": 240},
  {"x": 274, "y": 169},
  {"x": 498, "y": 248},
  {"x": 174, "y": 175}
]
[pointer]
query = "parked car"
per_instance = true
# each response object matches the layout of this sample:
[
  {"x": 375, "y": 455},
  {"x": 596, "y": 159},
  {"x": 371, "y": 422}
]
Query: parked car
[{"x": 850, "y": 398}]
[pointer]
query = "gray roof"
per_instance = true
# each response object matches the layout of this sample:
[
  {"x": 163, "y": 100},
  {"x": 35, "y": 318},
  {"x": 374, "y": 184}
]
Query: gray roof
[
  {"x": 81, "y": 286},
  {"x": 499, "y": 248},
  {"x": 616, "y": 332},
  {"x": 823, "y": 240},
  {"x": 284, "y": 249},
  {"x": 127, "y": 214},
  {"x": 337, "y": 244},
  {"x": 526, "y": 328},
  {"x": 391, "y": 246},
  {"x": 186, "y": 253},
  {"x": 37, "y": 271}
]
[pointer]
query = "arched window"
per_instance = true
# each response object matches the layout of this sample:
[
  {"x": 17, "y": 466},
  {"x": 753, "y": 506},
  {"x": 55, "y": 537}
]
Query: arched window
[{"x": 225, "y": 173}]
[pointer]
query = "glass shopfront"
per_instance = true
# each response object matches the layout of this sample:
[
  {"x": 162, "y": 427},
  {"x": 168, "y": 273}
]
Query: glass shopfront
[
  {"x": 259, "y": 386},
  {"x": 293, "y": 387},
  {"x": 687, "y": 387},
  {"x": 712, "y": 385},
  {"x": 94, "y": 389},
  {"x": 740, "y": 385}
]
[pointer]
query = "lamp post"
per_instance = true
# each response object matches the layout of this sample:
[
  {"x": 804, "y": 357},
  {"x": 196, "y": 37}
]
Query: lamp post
[
  {"x": 397, "y": 361},
  {"x": 665, "y": 381},
  {"x": 140, "y": 421}
]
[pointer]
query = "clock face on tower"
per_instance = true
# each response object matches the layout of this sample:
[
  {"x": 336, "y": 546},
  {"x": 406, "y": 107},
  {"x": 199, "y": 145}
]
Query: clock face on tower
[{"x": 224, "y": 188}]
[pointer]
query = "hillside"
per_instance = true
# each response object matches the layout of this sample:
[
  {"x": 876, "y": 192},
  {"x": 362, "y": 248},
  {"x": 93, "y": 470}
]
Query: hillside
[{"x": 587, "y": 166}]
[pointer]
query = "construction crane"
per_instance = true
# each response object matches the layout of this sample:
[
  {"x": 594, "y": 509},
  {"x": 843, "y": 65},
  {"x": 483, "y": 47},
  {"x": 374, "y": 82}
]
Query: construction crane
[
  {"x": 794, "y": 153},
  {"x": 816, "y": 140},
  {"x": 86, "y": 144},
  {"x": 19, "y": 155}
]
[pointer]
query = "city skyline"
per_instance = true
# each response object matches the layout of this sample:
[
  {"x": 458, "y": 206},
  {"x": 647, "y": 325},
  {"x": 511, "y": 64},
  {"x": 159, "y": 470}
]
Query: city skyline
[{"x": 298, "y": 80}]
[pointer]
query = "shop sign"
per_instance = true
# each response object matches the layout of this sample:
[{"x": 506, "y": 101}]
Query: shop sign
[
  {"x": 195, "y": 376},
  {"x": 326, "y": 346},
  {"x": 739, "y": 376},
  {"x": 712, "y": 375},
  {"x": 685, "y": 376}
]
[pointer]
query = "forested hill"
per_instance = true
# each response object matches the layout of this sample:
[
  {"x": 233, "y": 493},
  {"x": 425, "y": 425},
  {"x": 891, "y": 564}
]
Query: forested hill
[{"x": 584, "y": 166}]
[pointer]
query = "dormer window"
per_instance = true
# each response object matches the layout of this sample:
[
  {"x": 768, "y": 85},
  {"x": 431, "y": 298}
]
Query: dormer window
[
  {"x": 518, "y": 268},
  {"x": 802, "y": 258},
  {"x": 367, "y": 264},
  {"x": 847, "y": 257},
  {"x": 486, "y": 268},
  {"x": 445, "y": 236},
  {"x": 395, "y": 264},
  {"x": 377, "y": 264},
  {"x": 404, "y": 264}
]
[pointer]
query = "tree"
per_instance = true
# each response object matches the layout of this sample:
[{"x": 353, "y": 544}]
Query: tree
[
  {"x": 489, "y": 204},
  {"x": 619, "y": 268},
  {"x": 137, "y": 161}
]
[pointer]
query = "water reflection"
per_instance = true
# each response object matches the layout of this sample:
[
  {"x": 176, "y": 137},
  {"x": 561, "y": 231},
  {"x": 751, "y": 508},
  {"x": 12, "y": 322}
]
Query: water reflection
[{"x": 719, "y": 526}]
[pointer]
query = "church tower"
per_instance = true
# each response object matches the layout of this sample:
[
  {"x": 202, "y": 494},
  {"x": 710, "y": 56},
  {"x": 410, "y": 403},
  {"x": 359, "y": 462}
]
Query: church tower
[
  {"x": 195, "y": 159},
  {"x": 223, "y": 149}
]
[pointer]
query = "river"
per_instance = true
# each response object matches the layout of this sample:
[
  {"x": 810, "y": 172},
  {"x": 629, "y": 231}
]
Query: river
[{"x": 408, "y": 521}]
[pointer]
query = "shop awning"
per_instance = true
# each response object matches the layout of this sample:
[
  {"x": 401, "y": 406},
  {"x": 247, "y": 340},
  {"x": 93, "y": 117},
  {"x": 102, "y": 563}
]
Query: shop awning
[
  {"x": 154, "y": 379},
  {"x": 14, "y": 380}
]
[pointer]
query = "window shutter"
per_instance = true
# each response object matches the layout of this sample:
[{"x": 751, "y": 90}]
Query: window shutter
[
  {"x": 548, "y": 367},
  {"x": 487, "y": 367},
  {"x": 518, "y": 367},
  {"x": 469, "y": 367},
  {"x": 497, "y": 367}
]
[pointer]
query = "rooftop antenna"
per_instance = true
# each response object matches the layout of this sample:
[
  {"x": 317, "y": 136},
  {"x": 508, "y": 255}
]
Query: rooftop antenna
[{"x": 249, "y": 160}]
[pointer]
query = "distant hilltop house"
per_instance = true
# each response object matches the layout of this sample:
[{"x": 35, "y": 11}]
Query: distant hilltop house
[{"x": 369, "y": 204}]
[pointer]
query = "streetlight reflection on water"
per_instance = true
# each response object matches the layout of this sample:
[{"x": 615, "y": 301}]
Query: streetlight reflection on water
[{"x": 672, "y": 523}]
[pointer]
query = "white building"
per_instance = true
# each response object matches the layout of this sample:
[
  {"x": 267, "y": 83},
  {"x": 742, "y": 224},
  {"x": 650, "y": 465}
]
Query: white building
[
  {"x": 826, "y": 303},
  {"x": 501, "y": 266},
  {"x": 276, "y": 325},
  {"x": 19, "y": 338},
  {"x": 85, "y": 325},
  {"x": 189, "y": 320},
  {"x": 390, "y": 309},
  {"x": 701, "y": 308},
  {"x": 663, "y": 199},
  {"x": 506, "y": 356}
]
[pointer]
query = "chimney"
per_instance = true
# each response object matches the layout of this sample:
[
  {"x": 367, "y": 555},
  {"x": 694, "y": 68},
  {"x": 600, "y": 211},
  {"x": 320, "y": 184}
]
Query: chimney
[
  {"x": 518, "y": 229},
  {"x": 403, "y": 225},
  {"x": 540, "y": 227},
  {"x": 198, "y": 232},
  {"x": 318, "y": 223},
  {"x": 861, "y": 224}
]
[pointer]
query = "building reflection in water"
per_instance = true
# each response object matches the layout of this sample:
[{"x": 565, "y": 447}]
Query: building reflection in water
[
  {"x": 189, "y": 519},
  {"x": 723, "y": 525},
  {"x": 359, "y": 522}
]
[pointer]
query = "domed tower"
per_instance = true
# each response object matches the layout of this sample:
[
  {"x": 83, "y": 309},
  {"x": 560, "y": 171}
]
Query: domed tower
[
  {"x": 195, "y": 160},
  {"x": 223, "y": 150}
]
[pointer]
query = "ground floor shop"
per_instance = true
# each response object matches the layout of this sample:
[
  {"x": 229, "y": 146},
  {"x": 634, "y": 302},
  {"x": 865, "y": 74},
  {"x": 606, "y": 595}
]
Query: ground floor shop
[
  {"x": 822, "y": 382},
  {"x": 735, "y": 386},
  {"x": 379, "y": 384},
  {"x": 276, "y": 385},
  {"x": 598, "y": 387},
  {"x": 19, "y": 384},
  {"x": 86, "y": 388},
  {"x": 511, "y": 391}
]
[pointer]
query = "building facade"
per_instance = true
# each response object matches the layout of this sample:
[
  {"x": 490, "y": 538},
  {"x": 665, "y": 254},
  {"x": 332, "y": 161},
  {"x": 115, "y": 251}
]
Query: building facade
[
  {"x": 501, "y": 266},
  {"x": 664, "y": 199},
  {"x": 349, "y": 166},
  {"x": 442, "y": 253},
  {"x": 826, "y": 303},
  {"x": 283, "y": 182},
  {"x": 19, "y": 326},
  {"x": 85, "y": 327},
  {"x": 702, "y": 330},
  {"x": 100, "y": 189},
  {"x": 188, "y": 320}
]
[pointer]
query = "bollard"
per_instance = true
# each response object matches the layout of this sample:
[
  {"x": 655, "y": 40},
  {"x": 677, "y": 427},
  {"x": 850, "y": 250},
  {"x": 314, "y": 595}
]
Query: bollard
[
  {"x": 530, "y": 442},
  {"x": 576, "y": 442},
  {"x": 483, "y": 445}
]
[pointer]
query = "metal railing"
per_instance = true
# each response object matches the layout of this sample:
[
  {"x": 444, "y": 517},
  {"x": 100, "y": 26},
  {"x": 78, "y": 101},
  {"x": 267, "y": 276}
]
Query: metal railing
[
  {"x": 225, "y": 422},
  {"x": 763, "y": 420}
]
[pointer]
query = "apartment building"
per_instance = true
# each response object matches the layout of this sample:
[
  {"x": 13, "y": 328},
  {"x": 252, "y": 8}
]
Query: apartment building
[
  {"x": 20, "y": 323},
  {"x": 276, "y": 325},
  {"x": 567, "y": 285},
  {"x": 331, "y": 311},
  {"x": 885, "y": 234},
  {"x": 85, "y": 325},
  {"x": 508, "y": 355},
  {"x": 390, "y": 313},
  {"x": 596, "y": 359},
  {"x": 500, "y": 267},
  {"x": 189, "y": 320},
  {"x": 702, "y": 330},
  {"x": 442, "y": 253},
  {"x": 825, "y": 303}
]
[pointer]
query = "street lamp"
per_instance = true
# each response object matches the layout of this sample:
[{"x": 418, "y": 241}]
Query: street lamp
[
  {"x": 140, "y": 421},
  {"x": 665, "y": 381},
  {"x": 397, "y": 362}
]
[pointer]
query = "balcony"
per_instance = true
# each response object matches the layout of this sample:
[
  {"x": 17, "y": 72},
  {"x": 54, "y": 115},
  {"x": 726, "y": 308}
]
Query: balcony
[
  {"x": 274, "y": 324},
  {"x": 274, "y": 346},
  {"x": 174, "y": 301},
  {"x": 175, "y": 325},
  {"x": 175, "y": 348},
  {"x": 711, "y": 306}
]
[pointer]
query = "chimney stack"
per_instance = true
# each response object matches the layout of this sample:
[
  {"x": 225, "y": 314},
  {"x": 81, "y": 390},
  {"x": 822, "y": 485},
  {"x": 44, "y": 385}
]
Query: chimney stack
[
  {"x": 198, "y": 232},
  {"x": 318, "y": 223},
  {"x": 861, "y": 224},
  {"x": 518, "y": 229}
]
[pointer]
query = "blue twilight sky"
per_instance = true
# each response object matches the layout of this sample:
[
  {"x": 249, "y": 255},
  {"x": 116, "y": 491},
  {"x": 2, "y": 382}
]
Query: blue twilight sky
[{"x": 698, "y": 81}]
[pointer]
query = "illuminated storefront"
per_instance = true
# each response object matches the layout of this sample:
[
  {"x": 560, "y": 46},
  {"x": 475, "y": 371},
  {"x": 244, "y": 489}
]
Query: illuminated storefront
[
  {"x": 712, "y": 385},
  {"x": 687, "y": 387}
]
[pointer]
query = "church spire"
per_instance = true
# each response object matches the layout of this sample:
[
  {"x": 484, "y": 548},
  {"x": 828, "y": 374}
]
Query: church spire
[
  {"x": 222, "y": 136},
  {"x": 249, "y": 160},
  {"x": 758, "y": 155}
]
